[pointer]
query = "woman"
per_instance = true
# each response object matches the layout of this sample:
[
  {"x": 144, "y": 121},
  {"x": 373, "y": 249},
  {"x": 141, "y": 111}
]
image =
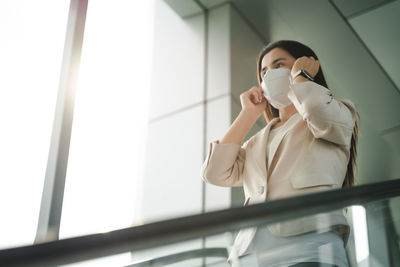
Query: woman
[{"x": 308, "y": 145}]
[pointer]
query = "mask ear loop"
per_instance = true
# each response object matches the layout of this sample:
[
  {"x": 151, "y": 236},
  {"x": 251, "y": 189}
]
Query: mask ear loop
[
  {"x": 264, "y": 90},
  {"x": 265, "y": 75}
]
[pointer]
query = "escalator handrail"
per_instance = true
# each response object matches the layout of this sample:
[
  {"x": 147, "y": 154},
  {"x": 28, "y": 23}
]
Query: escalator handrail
[{"x": 186, "y": 228}]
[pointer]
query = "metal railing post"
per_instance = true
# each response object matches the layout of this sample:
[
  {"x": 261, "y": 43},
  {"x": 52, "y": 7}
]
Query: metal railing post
[{"x": 53, "y": 191}]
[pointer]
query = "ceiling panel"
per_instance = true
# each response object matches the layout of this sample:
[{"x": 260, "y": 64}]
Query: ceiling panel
[
  {"x": 354, "y": 7},
  {"x": 185, "y": 8},
  {"x": 384, "y": 43}
]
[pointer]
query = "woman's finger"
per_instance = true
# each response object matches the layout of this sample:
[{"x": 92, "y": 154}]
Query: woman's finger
[
  {"x": 316, "y": 67},
  {"x": 256, "y": 96},
  {"x": 258, "y": 93}
]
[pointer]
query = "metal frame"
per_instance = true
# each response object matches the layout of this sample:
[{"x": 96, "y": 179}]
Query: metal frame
[
  {"x": 53, "y": 192},
  {"x": 195, "y": 226}
]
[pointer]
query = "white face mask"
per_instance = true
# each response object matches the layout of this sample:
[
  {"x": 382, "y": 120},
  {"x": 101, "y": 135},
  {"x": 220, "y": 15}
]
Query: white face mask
[{"x": 276, "y": 87}]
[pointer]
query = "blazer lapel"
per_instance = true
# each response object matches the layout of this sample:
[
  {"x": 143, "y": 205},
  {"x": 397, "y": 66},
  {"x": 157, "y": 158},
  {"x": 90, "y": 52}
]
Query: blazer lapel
[
  {"x": 278, "y": 138},
  {"x": 261, "y": 149}
]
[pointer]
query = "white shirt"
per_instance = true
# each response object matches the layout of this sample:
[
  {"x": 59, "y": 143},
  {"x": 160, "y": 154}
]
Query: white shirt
[{"x": 269, "y": 250}]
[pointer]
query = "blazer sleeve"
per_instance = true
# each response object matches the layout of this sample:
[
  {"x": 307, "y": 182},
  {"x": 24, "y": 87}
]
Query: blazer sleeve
[
  {"x": 224, "y": 164},
  {"x": 326, "y": 117}
]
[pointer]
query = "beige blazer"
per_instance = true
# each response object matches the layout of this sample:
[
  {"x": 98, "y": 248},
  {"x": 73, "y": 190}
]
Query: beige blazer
[{"x": 309, "y": 153}]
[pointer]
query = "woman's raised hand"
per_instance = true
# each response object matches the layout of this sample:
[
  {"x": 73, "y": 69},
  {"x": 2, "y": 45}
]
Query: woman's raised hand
[
  {"x": 310, "y": 64},
  {"x": 253, "y": 101},
  {"x": 253, "y": 104}
]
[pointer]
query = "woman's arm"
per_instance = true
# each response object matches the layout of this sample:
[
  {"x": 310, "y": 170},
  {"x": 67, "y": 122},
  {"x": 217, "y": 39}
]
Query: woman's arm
[
  {"x": 253, "y": 104},
  {"x": 224, "y": 164},
  {"x": 326, "y": 117},
  {"x": 239, "y": 128},
  {"x": 225, "y": 160}
]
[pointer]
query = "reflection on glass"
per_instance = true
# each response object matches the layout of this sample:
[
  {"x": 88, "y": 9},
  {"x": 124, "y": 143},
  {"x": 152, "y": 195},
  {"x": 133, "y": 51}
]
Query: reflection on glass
[
  {"x": 115, "y": 260},
  {"x": 370, "y": 239},
  {"x": 317, "y": 238},
  {"x": 360, "y": 233}
]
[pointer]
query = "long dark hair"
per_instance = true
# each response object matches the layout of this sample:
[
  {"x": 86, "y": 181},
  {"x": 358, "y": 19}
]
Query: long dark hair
[{"x": 297, "y": 50}]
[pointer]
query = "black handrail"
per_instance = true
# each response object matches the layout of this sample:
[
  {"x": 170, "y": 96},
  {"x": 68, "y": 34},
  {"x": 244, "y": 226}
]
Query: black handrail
[{"x": 195, "y": 226}]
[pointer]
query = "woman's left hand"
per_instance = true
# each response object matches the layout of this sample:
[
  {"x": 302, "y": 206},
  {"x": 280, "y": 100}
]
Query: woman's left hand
[{"x": 309, "y": 64}]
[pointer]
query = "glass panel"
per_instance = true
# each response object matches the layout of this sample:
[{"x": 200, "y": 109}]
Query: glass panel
[
  {"x": 371, "y": 239},
  {"x": 109, "y": 128},
  {"x": 306, "y": 239},
  {"x": 382, "y": 234},
  {"x": 115, "y": 260},
  {"x": 32, "y": 35},
  {"x": 176, "y": 255},
  {"x": 354, "y": 236},
  {"x": 360, "y": 232}
]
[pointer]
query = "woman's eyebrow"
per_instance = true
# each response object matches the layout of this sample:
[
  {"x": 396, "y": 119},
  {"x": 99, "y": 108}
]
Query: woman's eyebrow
[{"x": 273, "y": 62}]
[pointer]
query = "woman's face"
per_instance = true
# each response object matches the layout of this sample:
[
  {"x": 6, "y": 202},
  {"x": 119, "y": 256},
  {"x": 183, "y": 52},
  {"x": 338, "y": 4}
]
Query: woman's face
[{"x": 276, "y": 58}]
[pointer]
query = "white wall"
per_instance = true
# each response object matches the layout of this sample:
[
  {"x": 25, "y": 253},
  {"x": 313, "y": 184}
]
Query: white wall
[{"x": 171, "y": 185}]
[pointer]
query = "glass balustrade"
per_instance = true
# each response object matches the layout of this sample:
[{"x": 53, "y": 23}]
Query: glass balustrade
[
  {"x": 319, "y": 227},
  {"x": 357, "y": 235}
]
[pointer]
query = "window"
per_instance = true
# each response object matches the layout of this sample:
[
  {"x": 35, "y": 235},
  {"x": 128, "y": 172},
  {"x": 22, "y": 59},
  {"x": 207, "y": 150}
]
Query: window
[
  {"x": 110, "y": 119},
  {"x": 32, "y": 35}
]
